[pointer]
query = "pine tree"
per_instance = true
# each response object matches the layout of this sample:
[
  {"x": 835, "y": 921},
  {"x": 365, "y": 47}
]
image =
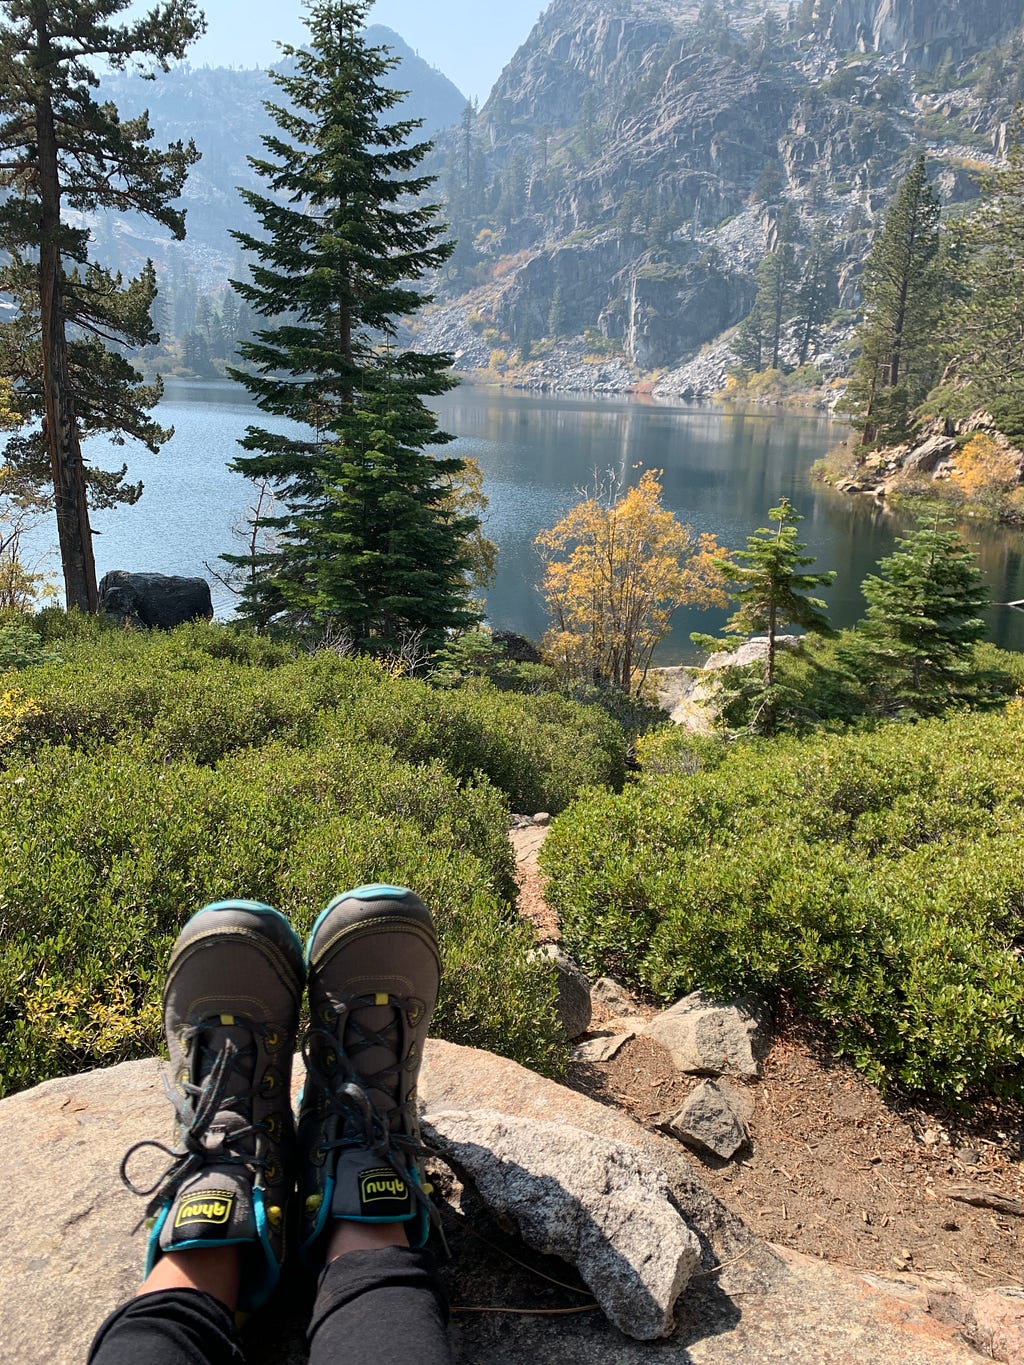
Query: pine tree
[
  {"x": 817, "y": 295},
  {"x": 60, "y": 148},
  {"x": 986, "y": 368},
  {"x": 368, "y": 540},
  {"x": 760, "y": 338},
  {"x": 914, "y": 649},
  {"x": 902, "y": 297},
  {"x": 772, "y": 593}
]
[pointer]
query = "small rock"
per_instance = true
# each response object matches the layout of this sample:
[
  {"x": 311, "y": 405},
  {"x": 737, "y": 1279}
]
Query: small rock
[
  {"x": 607, "y": 992},
  {"x": 709, "y": 1037},
  {"x": 542, "y": 818},
  {"x": 970, "y": 1156},
  {"x": 599, "y": 1204},
  {"x": 573, "y": 1000},
  {"x": 713, "y": 1119},
  {"x": 601, "y": 1048}
]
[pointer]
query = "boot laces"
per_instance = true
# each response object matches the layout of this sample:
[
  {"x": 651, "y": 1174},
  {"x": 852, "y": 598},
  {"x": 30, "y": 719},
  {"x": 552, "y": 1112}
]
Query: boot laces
[
  {"x": 221, "y": 1090},
  {"x": 387, "y": 1131}
]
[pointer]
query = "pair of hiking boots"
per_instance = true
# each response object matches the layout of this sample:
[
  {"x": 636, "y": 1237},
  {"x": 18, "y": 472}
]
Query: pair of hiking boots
[{"x": 242, "y": 1171}]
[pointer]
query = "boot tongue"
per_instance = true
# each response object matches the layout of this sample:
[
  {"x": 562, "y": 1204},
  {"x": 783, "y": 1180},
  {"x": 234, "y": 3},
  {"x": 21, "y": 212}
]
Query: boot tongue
[
  {"x": 369, "y": 1058},
  {"x": 236, "y": 1084},
  {"x": 215, "y": 1207}
]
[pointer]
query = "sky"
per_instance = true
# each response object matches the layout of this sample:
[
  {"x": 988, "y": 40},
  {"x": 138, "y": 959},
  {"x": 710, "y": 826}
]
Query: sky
[{"x": 469, "y": 40}]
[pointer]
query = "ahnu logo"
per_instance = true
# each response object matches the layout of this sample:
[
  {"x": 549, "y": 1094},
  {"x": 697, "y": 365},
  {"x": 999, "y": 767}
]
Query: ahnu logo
[
  {"x": 376, "y": 1185},
  {"x": 212, "y": 1207}
]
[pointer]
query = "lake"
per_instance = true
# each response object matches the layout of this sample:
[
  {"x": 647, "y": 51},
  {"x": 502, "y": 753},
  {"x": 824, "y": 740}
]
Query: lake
[{"x": 722, "y": 472}]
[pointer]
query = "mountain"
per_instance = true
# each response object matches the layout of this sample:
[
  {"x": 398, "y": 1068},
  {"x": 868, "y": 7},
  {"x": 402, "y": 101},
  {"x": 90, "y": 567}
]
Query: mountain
[
  {"x": 635, "y": 158},
  {"x": 221, "y": 109}
]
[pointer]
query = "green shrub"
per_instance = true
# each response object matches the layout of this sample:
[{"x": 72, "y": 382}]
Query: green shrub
[
  {"x": 108, "y": 853},
  {"x": 874, "y": 878},
  {"x": 144, "y": 775}
]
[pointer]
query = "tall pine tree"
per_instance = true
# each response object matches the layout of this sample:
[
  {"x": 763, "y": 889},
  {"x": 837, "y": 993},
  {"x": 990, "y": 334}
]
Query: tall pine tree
[
  {"x": 902, "y": 298},
  {"x": 368, "y": 541},
  {"x": 60, "y": 148},
  {"x": 986, "y": 367}
]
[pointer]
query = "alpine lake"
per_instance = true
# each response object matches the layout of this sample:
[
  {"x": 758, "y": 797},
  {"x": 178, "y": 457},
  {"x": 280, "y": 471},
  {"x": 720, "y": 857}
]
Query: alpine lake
[{"x": 540, "y": 454}]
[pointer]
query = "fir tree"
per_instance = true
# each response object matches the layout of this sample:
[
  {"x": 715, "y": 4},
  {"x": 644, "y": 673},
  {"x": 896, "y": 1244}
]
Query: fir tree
[
  {"x": 914, "y": 650},
  {"x": 759, "y": 341},
  {"x": 367, "y": 538},
  {"x": 986, "y": 368},
  {"x": 817, "y": 295},
  {"x": 772, "y": 593},
  {"x": 902, "y": 296},
  {"x": 59, "y": 149}
]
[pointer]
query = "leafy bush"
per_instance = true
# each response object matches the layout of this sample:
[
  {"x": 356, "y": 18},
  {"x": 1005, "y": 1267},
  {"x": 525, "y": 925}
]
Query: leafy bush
[
  {"x": 143, "y": 776},
  {"x": 875, "y": 878}
]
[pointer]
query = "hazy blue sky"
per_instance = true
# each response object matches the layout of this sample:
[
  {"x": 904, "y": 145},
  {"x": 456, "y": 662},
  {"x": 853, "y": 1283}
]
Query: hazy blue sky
[{"x": 469, "y": 40}]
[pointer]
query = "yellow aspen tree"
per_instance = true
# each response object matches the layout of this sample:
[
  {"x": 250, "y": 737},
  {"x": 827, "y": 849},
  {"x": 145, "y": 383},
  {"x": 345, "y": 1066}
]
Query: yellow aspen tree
[{"x": 614, "y": 577}]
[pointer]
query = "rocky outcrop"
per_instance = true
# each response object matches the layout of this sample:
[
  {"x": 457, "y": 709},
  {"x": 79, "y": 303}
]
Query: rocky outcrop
[
  {"x": 922, "y": 31},
  {"x": 67, "y": 1255},
  {"x": 599, "y": 1204}
]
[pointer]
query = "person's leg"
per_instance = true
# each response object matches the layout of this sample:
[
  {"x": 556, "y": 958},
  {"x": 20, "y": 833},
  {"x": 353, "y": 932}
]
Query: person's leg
[
  {"x": 374, "y": 972},
  {"x": 218, "y": 1213}
]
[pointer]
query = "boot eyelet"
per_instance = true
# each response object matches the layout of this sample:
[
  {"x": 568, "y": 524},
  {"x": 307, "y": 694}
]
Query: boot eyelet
[{"x": 272, "y": 1038}]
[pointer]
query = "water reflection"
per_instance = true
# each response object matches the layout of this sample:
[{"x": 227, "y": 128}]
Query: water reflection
[{"x": 722, "y": 471}]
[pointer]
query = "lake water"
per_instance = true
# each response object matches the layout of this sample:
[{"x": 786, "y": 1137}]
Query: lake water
[{"x": 722, "y": 471}]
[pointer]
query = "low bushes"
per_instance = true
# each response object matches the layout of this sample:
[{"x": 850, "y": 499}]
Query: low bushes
[
  {"x": 142, "y": 777},
  {"x": 875, "y": 878}
]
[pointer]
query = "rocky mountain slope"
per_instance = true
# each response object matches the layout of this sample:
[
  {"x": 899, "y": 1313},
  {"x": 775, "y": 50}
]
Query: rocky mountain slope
[
  {"x": 222, "y": 110},
  {"x": 631, "y": 164}
]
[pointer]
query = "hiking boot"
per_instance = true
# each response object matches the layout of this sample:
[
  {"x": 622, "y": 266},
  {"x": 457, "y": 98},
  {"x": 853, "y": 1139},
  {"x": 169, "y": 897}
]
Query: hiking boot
[
  {"x": 374, "y": 971},
  {"x": 231, "y": 1007}
]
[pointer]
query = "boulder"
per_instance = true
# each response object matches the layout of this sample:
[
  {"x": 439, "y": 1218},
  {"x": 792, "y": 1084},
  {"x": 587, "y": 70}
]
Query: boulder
[
  {"x": 573, "y": 1000},
  {"x": 612, "y": 996},
  {"x": 752, "y": 651},
  {"x": 713, "y": 1119},
  {"x": 710, "y": 1037},
  {"x": 923, "y": 458},
  {"x": 518, "y": 649},
  {"x": 602, "y": 1047},
  {"x": 154, "y": 600},
  {"x": 601, "y": 1205}
]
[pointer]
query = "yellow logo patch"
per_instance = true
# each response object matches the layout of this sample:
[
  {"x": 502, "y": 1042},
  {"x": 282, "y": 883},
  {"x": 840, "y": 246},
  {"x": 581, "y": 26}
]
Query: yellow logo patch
[
  {"x": 212, "y": 1207},
  {"x": 381, "y": 1184}
]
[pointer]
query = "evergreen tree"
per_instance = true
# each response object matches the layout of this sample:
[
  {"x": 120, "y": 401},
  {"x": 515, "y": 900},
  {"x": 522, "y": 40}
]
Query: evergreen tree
[
  {"x": 817, "y": 295},
  {"x": 772, "y": 593},
  {"x": 367, "y": 538},
  {"x": 986, "y": 368},
  {"x": 61, "y": 149},
  {"x": 759, "y": 342},
  {"x": 914, "y": 649},
  {"x": 902, "y": 297}
]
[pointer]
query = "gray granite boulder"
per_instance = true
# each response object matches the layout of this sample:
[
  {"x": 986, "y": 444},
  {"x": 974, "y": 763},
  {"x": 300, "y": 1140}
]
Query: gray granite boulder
[
  {"x": 711, "y": 1037},
  {"x": 601, "y": 1205},
  {"x": 714, "y": 1119}
]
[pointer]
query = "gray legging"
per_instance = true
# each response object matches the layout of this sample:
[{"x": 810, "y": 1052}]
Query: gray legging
[{"x": 384, "y": 1306}]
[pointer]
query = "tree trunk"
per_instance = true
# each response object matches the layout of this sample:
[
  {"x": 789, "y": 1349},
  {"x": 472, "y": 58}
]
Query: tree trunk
[{"x": 61, "y": 424}]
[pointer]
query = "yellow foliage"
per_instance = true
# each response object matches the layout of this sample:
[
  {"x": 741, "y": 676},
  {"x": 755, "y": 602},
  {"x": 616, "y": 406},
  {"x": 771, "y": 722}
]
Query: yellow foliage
[
  {"x": 14, "y": 712},
  {"x": 466, "y": 498},
  {"x": 985, "y": 467},
  {"x": 613, "y": 578}
]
